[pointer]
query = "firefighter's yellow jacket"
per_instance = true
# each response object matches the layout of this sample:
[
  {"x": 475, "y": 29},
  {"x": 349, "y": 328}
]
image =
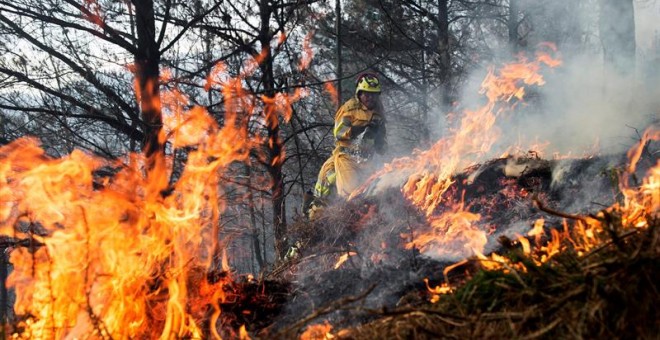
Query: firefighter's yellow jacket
[
  {"x": 357, "y": 127},
  {"x": 359, "y": 132}
]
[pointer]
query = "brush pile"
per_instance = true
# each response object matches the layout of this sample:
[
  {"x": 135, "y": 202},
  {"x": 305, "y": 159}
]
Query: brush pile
[
  {"x": 586, "y": 275},
  {"x": 610, "y": 292}
]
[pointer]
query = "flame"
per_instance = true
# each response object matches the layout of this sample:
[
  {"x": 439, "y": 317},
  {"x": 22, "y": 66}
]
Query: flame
[
  {"x": 332, "y": 90},
  {"x": 243, "y": 334},
  {"x": 343, "y": 258},
  {"x": 635, "y": 152},
  {"x": 537, "y": 230},
  {"x": 436, "y": 291},
  {"x": 466, "y": 145},
  {"x": 306, "y": 58},
  {"x": 114, "y": 254},
  {"x": 91, "y": 11},
  {"x": 317, "y": 332},
  {"x": 641, "y": 204},
  {"x": 452, "y": 233},
  {"x": 281, "y": 38},
  {"x": 470, "y": 142}
]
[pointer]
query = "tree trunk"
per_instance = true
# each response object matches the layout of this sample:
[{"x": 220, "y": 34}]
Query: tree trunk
[
  {"x": 4, "y": 294},
  {"x": 256, "y": 244},
  {"x": 425, "y": 133},
  {"x": 512, "y": 25},
  {"x": 274, "y": 166},
  {"x": 147, "y": 73},
  {"x": 338, "y": 51},
  {"x": 443, "y": 50}
]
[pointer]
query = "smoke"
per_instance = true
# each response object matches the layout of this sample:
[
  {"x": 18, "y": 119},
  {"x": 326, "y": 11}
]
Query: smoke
[
  {"x": 602, "y": 96},
  {"x": 582, "y": 109}
]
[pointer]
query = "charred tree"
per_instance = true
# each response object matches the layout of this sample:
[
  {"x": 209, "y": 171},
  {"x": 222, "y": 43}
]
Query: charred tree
[
  {"x": 443, "y": 50},
  {"x": 5, "y": 307},
  {"x": 338, "y": 50},
  {"x": 147, "y": 74},
  {"x": 274, "y": 146},
  {"x": 254, "y": 236}
]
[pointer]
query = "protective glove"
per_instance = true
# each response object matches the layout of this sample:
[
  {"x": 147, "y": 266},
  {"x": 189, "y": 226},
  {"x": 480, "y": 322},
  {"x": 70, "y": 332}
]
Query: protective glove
[{"x": 292, "y": 253}]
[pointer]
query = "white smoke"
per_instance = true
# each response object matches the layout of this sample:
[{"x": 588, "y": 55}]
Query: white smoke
[{"x": 582, "y": 108}]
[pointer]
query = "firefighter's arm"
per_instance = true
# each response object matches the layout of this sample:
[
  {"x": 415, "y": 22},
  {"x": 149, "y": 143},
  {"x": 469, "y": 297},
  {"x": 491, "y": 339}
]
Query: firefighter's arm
[{"x": 343, "y": 126}]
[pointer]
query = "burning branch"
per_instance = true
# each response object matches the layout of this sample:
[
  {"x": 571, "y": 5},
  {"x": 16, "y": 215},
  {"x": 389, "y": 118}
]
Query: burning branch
[{"x": 542, "y": 207}]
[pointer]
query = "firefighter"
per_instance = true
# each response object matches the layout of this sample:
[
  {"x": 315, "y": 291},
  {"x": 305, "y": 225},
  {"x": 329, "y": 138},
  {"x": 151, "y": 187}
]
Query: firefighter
[{"x": 359, "y": 132}]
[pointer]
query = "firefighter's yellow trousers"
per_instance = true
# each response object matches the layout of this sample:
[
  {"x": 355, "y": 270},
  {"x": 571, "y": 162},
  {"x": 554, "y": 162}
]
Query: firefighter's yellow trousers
[{"x": 348, "y": 173}]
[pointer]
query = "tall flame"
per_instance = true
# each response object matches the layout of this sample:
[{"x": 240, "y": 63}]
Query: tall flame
[
  {"x": 643, "y": 201},
  {"x": 467, "y": 144},
  {"x": 108, "y": 259}
]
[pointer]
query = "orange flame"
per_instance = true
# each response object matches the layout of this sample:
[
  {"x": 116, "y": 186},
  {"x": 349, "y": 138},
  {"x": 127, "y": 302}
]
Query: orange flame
[
  {"x": 332, "y": 90},
  {"x": 317, "y": 332},
  {"x": 641, "y": 202},
  {"x": 119, "y": 258},
  {"x": 343, "y": 258},
  {"x": 308, "y": 54},
  {"x": 436, "y": 291},
  {"x": 467, "y": 144},
  {"x": 105, "y": 247},
  {"x": 243, "y": 334},
  {"x": 92, "y": 12},
  {"x": 640, "y": 205},
  {"x": 281, "y": 38}
]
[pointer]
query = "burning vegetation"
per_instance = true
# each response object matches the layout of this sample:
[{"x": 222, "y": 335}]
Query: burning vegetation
[
  {"x": 446, "y": 243},
  {"x": 112, "y": 248},
  {"x": 548, "y": 273}
]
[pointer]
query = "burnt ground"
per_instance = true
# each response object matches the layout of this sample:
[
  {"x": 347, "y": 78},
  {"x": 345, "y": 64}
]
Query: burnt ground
[
  {"x": 382, "y": 275},
  {"x": 385, "y": 275}
]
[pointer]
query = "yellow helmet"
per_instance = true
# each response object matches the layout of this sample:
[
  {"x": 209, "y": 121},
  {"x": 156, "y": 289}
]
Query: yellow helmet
[{"x": 367, "y": 82}]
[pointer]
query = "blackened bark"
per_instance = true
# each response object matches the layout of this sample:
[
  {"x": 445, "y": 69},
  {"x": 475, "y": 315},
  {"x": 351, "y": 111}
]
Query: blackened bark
[
  {"x": 338, "y": 50},
  {"x": 4, "y": 295},
  {"x": 425, "y": 133},
  {"x": 274, "y": 166},
  {"x": 444, "y": 56},
  {"x": 147, "y": 61}
]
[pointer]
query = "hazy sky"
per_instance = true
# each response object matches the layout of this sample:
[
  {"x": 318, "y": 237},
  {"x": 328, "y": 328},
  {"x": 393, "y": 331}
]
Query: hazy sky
[{"x": 647, "y": 14}]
